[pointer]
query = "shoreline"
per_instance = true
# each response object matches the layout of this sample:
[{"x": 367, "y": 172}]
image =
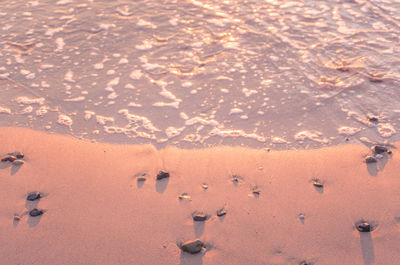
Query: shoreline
[{"x": 97, "y": 212}]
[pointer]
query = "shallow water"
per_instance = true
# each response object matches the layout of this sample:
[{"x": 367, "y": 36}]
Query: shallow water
[{"x": 280, "y": 74}]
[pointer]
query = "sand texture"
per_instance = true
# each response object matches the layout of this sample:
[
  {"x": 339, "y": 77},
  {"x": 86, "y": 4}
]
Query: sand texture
[{"x": 97, "y": 212}]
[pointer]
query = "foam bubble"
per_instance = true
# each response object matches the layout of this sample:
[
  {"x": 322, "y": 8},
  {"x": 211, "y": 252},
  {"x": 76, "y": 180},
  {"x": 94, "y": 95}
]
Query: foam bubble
[
  {"x": 29, "y": 101},
  {"x": 386, "y": 130},
  {"x": 64, "y": 120},
  {"x": 348, "y": 130},
  {"x": 4, "y": 110}
]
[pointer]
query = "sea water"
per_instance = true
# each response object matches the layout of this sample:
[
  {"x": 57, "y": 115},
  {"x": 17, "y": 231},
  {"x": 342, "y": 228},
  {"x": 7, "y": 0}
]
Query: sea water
[{"x": 197, "y": 73}]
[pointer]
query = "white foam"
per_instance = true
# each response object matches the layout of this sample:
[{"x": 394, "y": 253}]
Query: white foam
[
  {"x": 136, "y": 74},
  {"x": 76, "y": 99},
  {"x": 41, "y": 111},
  {"x": 64, "y": 120},
  {"x": 172, "y": 132},
  {"x": 69, "y": 76},
  {"x": 98, "y": 66},
  {"x": 348, "y": 130},
  {"x": 103, "y": 119},
  {"x": 60, "y": 44},
  {"x": 386, "y": 130},
  {"x": 278, "y": 140},
  {"x": 29, "y": 101},
  {"x": 4, "y": 110},
  {"x": 89, "y": 114},
  {"x": 235, "y": 111}
]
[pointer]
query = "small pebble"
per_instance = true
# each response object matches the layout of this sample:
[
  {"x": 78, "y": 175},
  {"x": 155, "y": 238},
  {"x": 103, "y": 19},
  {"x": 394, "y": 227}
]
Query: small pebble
[
  {"x": 370, "y": 159},
  {"x": 162, "y": 175},
  {"x": 17, "y": 218},
  {"x": 204, "y": 186},
  {"x": 18, "y": 155},
  {"x": 199, "y": 217},
  {"x": 379, "y": 149},
  {"x": 221, "y": 212},
  {"x": 317, "y": 183},
  {"x": 35, "y": 212},
  {"x": 141, "y": 179},
  {"x": 192, "y": 246},
  {"x": 373, "y": 119},
  {"x": 379, "y": 156},
  {"x": 34, "y": 195},
  {"x": 185, "y": 196},
  {"x": 364, "y": 227},
  {"x": 8, "y": 158},
  {"x": 18, "y": 162}
]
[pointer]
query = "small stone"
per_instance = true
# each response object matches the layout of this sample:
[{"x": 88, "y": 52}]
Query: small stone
[
  {"x": 8, "y": 158},
  {"x": 184, "y": 196},
  {"x": 370, "y": 159},
  {"x": 199, "y": 217},
  {"x": 192, "y": 246},
  {"x": 303, "y": 263},
  {"x": 18, "y": 162},
  {"x": 162, "y": 175},
  {"x": 317, "y": 183},
  {"x": 204, "y": 186},
  {"x": 389, "y": 152},
  {"x": 35, "y": 212},
  {"x": 379, "y": 156},
  {"x": 379, "y": 149},
  {"x": 141, "y": 179},
  {"x": 221, "y": 212},
  {"x": 373, "y": 119},
  {"x": 364, "y": 227},
  {"x": 18, "y": 155},
  {"x": 17, "y": 218},
  {"x": 34, "y": 195}
]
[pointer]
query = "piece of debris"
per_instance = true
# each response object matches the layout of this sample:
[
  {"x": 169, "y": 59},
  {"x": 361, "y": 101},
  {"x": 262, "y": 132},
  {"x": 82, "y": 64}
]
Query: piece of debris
[
  {"x": 35, "y": 212},
  {"x": 370, "y": 159},
  {"x": 185, "y": 196},
  {"x": 221, "y": 212},
  {"x": 317, "y": 183},
  {"x": 199, "y": 217},
  {"x": 364, "y": 227},
  {"x": 33, "y": 196},
  {"x": 162, "y": 175},
  {"x": 18, "y": 155},
  {"x": 379, "y": 149},
  {"x": 192, "y": 246},
  {"x": 8, "y": 158},
  {"x": 18, "y": 162}
]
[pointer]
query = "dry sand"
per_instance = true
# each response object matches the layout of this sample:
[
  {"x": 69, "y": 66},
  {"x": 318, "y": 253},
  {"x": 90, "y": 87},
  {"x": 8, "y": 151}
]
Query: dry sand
[{"x": 96, "y": 212}]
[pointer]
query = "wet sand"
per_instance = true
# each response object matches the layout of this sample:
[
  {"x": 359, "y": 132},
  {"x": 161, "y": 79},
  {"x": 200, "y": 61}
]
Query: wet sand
[{"x": 96, "y": 211}]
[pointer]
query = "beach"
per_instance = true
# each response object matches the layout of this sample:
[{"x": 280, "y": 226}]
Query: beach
[{"x": 102, "y": 203}]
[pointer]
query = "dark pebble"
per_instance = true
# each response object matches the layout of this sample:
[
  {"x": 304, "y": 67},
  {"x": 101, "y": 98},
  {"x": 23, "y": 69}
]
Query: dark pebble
[
  {"x": 373, "y": 119},
  {"x": 192, "y": 246},
  {"x": 35, "y": 212},
  {"x": 199, "y": 217},
  {"x": 303, "y": 263},
  {"x": 343, "y": 69},
  {"x": 162, "y": 175},
  {"x": 375, "y": 80},
  {"x": 9, "y": 158},
  {"x": 18, "y": 155},
  {"x": 221, "y": 212},
  {"x": 370, "y": 159},
  {"x": 389, "y": 152},
  {"x": 318, "y": 184},
  {"x": 364, "y": 227},
  {"x": 379, "y": 149},
  {"x": 32, "y": 196}
]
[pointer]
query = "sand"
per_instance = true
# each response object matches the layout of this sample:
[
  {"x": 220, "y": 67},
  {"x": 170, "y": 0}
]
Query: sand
[{"x": 96, "y": 212}]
